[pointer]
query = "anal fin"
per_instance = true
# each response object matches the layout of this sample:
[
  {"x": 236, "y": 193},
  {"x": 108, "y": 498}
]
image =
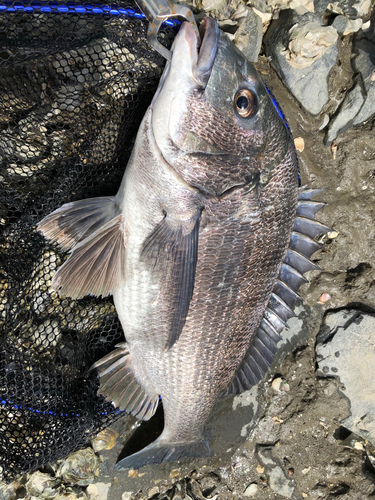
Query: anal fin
[{"x": 119, "y": 385}]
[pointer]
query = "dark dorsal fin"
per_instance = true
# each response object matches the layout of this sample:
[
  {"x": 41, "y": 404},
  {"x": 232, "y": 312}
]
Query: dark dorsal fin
[{"x": 284, "y": 295}]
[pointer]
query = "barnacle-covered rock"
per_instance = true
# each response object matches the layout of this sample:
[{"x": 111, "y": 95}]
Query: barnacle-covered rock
[
  {"x": 80, "y": 467},
  {"x": 42, "y": 485},
  {"x": 303, "y": 51}
]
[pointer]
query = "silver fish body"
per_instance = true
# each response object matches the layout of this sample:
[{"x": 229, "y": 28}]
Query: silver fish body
[{"x": 192, "y": 245}]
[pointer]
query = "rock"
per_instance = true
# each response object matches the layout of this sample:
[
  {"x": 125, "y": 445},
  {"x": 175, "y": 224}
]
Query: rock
[
  {"x": 98, "y": 491},
  {"x": 153, "y": 491},
  {"x": 346, "y": 113},
  {"x": 364, "y": 65},
  {"x": 127, "y": 495},
  {"x": 346, "y": 350},
  {"x": 345, "y": 26},
  {"x": 358, "y": 105},
  {"x": 248, "y": 37},
  {"x": 9, "y": 491},
  {"x": 42, "y": 485},
  {"x": 349, "y": 8},
  {"x": 300, "y": 6},
  {"x": 71, "y": 496},
  {"x": 80, "y": 467},
  {"x": 303, "y": 51},
  {"x": 209, "y": 5},
  {"x": 265, "y": 17}
]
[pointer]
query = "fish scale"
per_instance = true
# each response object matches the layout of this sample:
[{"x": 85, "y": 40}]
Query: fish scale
[{"x": 208, "y": 250}]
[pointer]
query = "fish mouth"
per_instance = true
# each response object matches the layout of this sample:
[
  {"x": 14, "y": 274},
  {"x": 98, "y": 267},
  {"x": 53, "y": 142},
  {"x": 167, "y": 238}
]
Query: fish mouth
[{"x": 209, "y": 32}]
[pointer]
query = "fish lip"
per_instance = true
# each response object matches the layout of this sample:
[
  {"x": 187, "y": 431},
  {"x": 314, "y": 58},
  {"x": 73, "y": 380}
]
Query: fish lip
[{"x": 209, "y": 32}]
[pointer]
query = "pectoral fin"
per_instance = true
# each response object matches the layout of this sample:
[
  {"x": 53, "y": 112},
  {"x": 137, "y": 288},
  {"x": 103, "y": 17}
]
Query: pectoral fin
[
  {"x": 172, "y": 250},
  {"x": 96, "y": 265},
  {"x": 95, "y": 229},
  {"x": 75, "y": 221}
]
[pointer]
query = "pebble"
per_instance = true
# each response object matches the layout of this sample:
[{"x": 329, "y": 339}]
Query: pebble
[
  {"x": 127, "y": 495},
  {"x": 299, "y": 144},
  {"x": 324, "y": 122},
  {"x": 276, "y": 383},
  {"x": 325, "y": 297},
  {"x": 98, "y": 491},
  {"x": 333, "y": 234},
  {"x": 251, "y": 490},
  {"x": 260, "y": 469}
]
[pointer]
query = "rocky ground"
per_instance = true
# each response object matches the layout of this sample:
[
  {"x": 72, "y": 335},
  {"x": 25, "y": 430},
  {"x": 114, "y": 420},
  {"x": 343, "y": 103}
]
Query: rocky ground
[{"x": 307, "y": 430}]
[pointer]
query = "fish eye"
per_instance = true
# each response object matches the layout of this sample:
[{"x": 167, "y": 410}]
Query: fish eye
[{"x": 245, "y": 103}]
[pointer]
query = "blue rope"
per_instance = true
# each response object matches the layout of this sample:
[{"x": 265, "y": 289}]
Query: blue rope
[
  {"x": 49, "y": 412},
  {"x": 51, "y": 7}
]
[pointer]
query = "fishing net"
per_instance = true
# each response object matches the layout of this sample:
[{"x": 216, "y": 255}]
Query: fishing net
[{"x": 75, "y": 81}]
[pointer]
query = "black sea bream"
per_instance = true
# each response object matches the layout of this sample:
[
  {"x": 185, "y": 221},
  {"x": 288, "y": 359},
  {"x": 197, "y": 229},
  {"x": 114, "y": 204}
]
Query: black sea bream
[{"x": 200, "y": 248}]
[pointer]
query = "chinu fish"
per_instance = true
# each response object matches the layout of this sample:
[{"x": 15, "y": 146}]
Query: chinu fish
[{"x": 203, "y": 248}]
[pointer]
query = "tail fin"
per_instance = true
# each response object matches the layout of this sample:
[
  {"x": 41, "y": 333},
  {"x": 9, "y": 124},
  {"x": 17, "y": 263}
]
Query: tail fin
[{"x": 161, "y": 451}]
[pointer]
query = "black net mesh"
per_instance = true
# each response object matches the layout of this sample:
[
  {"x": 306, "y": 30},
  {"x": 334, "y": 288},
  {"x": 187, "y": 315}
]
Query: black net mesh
[{"x": 75, "y": 82}]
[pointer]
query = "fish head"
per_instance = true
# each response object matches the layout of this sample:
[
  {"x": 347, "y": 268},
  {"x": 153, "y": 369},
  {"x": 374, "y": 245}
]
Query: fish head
[{"x": 213, "y": 119}]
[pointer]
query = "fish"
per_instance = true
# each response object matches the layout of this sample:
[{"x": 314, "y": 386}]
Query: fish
[{"x": 203, "y": 247}]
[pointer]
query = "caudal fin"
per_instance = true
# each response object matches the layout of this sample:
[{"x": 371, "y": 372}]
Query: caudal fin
[{"x": 160, "y": 451}]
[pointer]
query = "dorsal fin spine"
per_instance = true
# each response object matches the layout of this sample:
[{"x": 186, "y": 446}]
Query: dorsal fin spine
[{"x": 284, "y": 295}]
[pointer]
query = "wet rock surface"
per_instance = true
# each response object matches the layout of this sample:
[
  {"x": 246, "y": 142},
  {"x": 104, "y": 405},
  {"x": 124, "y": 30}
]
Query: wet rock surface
[
  {"x": 346, "y": 348},
  {"x": 303, "y": 432}
]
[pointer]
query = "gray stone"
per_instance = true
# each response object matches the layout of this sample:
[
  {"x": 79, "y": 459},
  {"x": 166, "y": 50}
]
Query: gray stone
[
  {"x": 303, "y": 51},
  {"x": 347, "y": 351},
  {"x": 277, "y": 480},
  {"x": 345, "y": 26},
  {"x": 364, "y": 64},
  {"x": 346, "y": 113},
  {"x": 248, "y": 37},
  {"x": 358, "y": 105}
]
